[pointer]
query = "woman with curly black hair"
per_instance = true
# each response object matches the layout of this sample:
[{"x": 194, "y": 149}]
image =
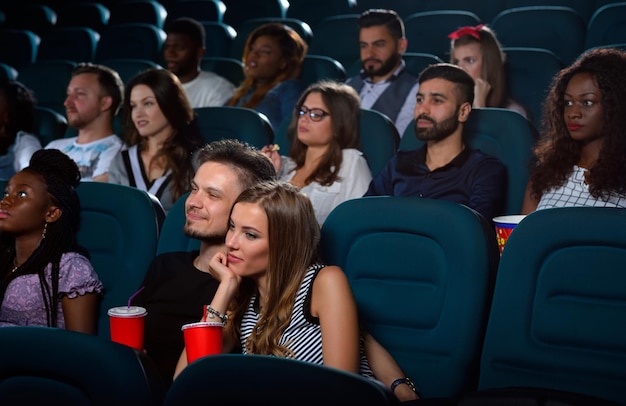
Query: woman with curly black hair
[
  {"x": 46, "y": 278},
  {"x": 581, "y": 157}
]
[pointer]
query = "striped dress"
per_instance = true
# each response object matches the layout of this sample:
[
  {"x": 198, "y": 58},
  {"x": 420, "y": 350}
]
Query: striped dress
[{"x": 303, "y": 336}]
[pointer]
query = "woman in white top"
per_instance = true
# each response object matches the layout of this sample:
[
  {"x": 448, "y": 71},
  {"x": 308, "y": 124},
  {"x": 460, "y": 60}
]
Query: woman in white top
[
  {"x": 324, "y": 160},
  {"x": 581, "y": 159},
  {"x": 17, "y": 145}
]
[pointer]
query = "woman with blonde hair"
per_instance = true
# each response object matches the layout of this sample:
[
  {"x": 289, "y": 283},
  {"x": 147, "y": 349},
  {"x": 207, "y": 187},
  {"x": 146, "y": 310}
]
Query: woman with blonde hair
[{"x": 272, "y": 59}]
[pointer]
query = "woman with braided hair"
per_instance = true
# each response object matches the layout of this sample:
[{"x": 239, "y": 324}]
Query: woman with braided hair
[{"x": 46, "y": 278}]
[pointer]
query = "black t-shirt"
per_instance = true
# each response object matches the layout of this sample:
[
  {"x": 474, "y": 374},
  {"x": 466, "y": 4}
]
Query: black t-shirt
[{"x": 174, "y": 294}]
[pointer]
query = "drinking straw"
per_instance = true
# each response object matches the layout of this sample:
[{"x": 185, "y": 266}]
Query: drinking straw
[{"x": 130, "y": 299}]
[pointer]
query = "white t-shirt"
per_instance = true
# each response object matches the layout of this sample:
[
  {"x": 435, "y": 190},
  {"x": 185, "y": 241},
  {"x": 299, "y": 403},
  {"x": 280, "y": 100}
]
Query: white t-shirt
[
  {"x": 94, "y": 158},
  {"x": 25, "y": 146},
  {"x": 208, "y": 90}
]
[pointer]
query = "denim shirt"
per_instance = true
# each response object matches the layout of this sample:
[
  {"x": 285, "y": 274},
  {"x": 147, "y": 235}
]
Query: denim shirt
[{"x": 278, "y": 104}]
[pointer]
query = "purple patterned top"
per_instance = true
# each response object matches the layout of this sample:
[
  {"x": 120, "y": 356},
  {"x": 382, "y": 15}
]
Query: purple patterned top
[{"x": 23, "y": 302}]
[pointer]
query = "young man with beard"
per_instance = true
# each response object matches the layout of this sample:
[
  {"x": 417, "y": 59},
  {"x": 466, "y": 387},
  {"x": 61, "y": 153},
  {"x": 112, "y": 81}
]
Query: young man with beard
[
  {"x": 182, "y": 51},
  {"x": 94, "y": 97},
  {"x": 445, "y": 168},
  {"x": 384, "y": 84},
  {"x": 177, "y": 285}
]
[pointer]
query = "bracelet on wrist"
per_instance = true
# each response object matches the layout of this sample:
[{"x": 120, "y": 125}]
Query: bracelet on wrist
[
  {"x": 212, "y": 313},
  {"x": 406, "y": 381}
]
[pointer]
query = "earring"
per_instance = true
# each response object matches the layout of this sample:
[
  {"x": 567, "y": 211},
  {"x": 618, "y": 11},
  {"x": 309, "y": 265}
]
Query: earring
[{"x": 43, "y": 234}]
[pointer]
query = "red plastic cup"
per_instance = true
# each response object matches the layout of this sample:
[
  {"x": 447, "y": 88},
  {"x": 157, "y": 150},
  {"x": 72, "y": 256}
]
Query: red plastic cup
[
  {"x": 127, "y": 325},
  {"x": 504, "y": 228},
  {"x": 202, "y": 338}
]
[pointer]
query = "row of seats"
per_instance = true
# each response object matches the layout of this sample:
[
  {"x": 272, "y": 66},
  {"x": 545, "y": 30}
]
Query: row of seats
[
  {"x": 422, "y": 272},
  {"x": 529, "y": 71},
  {"x": 79, "y": 44},
  {"x": 493, "y": 130},
  {"x": 51, "y": 94},
  {"x": 97, "y": 15},
  {"x": 499, "y": 132},
  {"x": 532, "y": 58},
  {"x": 486, "y": 10},
  {"x": 40, "y": 18},
  {"x": 52, "y": 366},
  {"x": 380, "y": 138},
  {"x": 427, "y": 30},
  {"x": 428, "y": 285},
  {"x": 559, "y": 29}
]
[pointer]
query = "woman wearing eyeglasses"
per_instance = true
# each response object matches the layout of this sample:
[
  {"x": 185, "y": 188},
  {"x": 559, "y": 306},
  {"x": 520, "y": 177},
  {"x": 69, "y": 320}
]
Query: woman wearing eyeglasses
[{"x": 324, "y": 160}]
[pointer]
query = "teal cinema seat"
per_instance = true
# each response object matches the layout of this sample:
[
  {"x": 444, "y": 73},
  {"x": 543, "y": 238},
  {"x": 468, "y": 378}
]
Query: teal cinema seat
[
  {"x": 558, "y": 315},
  {"x": 421, "y": 271}
]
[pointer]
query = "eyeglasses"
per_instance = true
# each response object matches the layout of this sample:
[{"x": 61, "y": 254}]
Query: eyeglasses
[{"x": 314, "y": 114}]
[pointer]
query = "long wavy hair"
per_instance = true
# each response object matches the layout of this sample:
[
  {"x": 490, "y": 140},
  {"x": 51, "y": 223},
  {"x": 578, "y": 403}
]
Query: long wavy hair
[
  {"x": 293, "y": 49},
  {"x": 493, "y": 63},
  {"x": 172, "y": 100},
  {"x": 60, "y": 176},
  {"x": 290, "y": 256},
  {"x": 344, "y": 105},
  {"x": 557, "y": 152},
  {"x": 18, "y": 114}
]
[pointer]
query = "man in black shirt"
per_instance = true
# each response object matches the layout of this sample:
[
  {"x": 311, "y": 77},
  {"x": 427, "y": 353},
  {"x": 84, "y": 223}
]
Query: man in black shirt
[{"x": 177, "y": 284}]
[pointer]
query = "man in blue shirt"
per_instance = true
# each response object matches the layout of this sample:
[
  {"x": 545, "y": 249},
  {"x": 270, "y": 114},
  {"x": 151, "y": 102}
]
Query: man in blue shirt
[{"x": 445, "y": 168}]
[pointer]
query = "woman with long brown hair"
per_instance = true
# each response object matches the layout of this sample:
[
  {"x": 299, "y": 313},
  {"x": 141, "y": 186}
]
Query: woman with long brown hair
[
  {"x": 160, "y": 136},
  {"x": 324, "y": 159}
]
